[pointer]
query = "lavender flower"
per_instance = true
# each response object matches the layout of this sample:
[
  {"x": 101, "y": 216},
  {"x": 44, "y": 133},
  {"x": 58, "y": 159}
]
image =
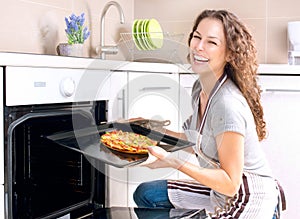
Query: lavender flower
[{"x": 75, "y": 31}]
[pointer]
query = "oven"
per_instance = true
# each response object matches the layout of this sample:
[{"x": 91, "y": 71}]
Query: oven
[{"x": 41, "y": 178}]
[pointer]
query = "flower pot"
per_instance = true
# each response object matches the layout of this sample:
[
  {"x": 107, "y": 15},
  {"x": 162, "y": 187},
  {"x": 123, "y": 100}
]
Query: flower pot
[{"x": 65, "y": 49}]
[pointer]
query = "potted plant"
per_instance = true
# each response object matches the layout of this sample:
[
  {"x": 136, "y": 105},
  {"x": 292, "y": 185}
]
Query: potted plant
[{"x": 76, "y": 34}]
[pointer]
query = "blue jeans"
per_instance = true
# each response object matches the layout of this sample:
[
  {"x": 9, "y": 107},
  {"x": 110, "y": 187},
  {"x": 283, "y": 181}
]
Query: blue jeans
[
  {"x": 275, "y": 216},
  {"x": 152, "y": 194}
]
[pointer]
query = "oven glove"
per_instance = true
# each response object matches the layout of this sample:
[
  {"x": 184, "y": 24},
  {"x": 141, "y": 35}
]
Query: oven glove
[
  {"x": 156, "y": 125},
  {"x": 151, "y": 124}
]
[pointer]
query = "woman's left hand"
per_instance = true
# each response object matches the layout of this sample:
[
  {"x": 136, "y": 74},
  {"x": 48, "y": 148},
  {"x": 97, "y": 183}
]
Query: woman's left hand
[{"x": 159, "y": 158}]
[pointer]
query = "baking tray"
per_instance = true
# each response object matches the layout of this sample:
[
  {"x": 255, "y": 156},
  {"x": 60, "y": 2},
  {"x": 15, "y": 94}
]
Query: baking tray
[{"x": 87, "y": 141}]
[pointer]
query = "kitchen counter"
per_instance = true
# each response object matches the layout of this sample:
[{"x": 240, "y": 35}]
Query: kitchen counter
[
  {"x": 279, "y": 69},
  {"x": 52, "y": 61}
]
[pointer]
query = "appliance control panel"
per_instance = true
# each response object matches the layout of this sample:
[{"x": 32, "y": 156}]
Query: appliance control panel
[{"x": 28, "y": 85}]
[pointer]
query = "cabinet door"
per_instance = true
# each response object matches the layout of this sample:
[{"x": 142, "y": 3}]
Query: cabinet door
[
  {"x": 152, "y": 96},
  {"x": 281, "y": 102},
  {"x": 117, "y": 96},
  {"x": 116, "y": 177}
]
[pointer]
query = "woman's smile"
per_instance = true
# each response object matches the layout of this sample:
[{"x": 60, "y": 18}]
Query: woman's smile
[{"x": 200, "y": 59}]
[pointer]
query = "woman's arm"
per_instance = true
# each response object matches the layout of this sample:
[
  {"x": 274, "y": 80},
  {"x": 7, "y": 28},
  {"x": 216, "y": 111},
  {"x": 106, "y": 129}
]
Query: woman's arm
[{"x": 227, "y": 178}]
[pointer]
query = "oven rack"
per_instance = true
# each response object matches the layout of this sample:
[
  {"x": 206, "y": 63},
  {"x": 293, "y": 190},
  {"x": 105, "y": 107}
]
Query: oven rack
[{"x": 173, "y": 49}]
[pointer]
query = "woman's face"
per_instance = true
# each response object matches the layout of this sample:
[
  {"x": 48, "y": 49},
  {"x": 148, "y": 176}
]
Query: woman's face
[{"x": 208, "y": 47}]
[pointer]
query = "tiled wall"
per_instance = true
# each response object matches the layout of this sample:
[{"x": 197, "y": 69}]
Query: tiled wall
[
  {"x": 267, "y": 19},
  {"x": 37, "y": 26}
]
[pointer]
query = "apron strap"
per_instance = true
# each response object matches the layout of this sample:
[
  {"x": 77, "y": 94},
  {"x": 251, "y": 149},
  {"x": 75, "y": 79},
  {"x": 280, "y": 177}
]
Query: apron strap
[
  {"x": 215, "y": 89},
  {"x": 282, "y": 196}
]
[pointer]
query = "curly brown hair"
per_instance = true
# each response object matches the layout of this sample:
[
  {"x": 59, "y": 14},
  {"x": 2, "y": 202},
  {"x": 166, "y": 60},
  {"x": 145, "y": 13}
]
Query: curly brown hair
[{"x": 242, "y": 65}]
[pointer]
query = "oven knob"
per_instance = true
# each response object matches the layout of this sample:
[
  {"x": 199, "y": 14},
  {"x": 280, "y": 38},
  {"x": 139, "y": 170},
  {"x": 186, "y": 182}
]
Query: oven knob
[{"x": 67, "y": 87}]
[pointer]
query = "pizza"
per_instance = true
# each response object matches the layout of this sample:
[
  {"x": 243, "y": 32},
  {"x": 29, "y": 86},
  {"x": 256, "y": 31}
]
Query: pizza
[{"x": 127, "y": 142}]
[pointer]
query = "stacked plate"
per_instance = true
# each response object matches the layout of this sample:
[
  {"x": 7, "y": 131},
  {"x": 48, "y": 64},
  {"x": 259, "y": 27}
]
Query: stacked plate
[{"x": 147, "y": 34}]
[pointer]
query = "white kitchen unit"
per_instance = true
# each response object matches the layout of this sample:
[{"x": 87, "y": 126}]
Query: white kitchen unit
[
  {"x": 117, "y": 177},
  {"x": 152, "y": 96},
  {"x": 281, "y": 102}
]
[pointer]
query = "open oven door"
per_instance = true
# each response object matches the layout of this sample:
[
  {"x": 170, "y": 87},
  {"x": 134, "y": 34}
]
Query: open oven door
[{"x": 44, "y": 179}]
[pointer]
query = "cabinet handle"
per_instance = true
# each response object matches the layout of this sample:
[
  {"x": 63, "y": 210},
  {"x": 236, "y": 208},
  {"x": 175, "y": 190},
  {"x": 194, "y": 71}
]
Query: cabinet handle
[
  {"x": 122, "y": 99},
  {"x": 280, "y": 90},
  {"x": 154, "y": 88},
  {"x": 123, "y": 103}
]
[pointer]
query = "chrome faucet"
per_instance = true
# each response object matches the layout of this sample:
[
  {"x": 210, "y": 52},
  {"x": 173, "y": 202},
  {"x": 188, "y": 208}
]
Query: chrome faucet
[{"x": 103, "y": 50}]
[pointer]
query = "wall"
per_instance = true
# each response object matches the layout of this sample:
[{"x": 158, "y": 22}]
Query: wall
[
  {"x": 37, "y": 26},
  {"x": 267, "y": 19}
]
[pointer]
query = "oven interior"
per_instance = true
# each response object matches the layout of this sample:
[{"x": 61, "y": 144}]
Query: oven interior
[{"x": 44, "y": 179}]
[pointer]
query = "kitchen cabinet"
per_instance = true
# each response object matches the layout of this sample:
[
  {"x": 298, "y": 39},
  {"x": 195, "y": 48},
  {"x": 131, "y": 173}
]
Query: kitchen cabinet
[
  {"x": 280, "y": 99},
  {"x": 152, "y": 96},
  {"x": 116, "y": 178}
]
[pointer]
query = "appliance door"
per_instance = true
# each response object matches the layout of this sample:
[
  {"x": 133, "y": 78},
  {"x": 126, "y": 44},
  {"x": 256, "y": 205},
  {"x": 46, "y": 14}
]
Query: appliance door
[
  {"x": 152, "y": 96},
  {"x": 280, "y": 99},
  {"x": 44, "y": 179}
]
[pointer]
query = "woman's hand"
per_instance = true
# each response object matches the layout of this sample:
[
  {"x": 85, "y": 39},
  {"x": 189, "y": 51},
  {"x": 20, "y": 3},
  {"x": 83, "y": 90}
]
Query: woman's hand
[{"x": 160, "y": 158}]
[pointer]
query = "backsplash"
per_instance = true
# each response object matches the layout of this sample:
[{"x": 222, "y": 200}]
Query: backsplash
[
  {"x": 267, "y": 20},
  {"x": 37, "y": 26}
]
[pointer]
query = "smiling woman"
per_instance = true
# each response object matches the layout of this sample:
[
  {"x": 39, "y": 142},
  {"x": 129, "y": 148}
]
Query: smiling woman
[
  {"x": 233, "y": 178},
  {"x": 208, "y": 45}
]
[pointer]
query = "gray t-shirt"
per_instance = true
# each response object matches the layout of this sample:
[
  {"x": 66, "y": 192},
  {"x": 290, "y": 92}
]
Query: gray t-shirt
[{"x": 228, "y": 111}]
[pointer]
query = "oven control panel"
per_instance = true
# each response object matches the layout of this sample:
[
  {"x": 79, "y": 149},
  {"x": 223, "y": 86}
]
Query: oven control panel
[{"x": 28, "y": 85}]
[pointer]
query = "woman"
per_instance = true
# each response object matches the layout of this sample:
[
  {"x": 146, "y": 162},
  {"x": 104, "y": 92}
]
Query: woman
[{"x": 233, "y": 179}]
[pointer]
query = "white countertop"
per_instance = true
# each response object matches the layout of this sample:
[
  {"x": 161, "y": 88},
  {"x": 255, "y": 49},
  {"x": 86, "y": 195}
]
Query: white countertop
[
  {"x": 52, "y": 61},
  {"x": 279, "y": 69}
]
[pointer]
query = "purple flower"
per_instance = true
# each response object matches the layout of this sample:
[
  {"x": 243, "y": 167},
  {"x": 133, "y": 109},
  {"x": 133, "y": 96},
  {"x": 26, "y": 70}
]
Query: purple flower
[
  {"x": 86, "y": 33},
  {"x": 75, "y": 31}
]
